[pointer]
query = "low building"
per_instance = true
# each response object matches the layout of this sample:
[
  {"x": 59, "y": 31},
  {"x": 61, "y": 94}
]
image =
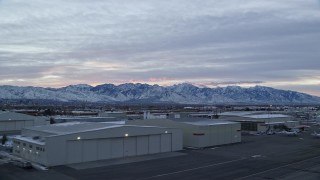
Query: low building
[
  {"x": 260, "y": 121},
  {"x": 12, "y": 122},
  {"x": 199, "y": 132},
  {"x": 63, "y": 119},
  {"x": 77, "y": 142},
  {"x": 115, "y": 114}
]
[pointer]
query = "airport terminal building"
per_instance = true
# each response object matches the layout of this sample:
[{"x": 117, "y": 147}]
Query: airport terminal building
[{"x": 77, "y": 142}]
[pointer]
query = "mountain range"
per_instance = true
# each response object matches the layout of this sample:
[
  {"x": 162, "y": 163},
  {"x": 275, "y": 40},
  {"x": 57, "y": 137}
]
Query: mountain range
[{"x": 181, "y": 93}]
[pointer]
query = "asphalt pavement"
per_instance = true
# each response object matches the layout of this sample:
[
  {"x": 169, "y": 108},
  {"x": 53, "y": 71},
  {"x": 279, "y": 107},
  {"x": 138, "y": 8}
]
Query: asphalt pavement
[{"x": 257, "y": 157}]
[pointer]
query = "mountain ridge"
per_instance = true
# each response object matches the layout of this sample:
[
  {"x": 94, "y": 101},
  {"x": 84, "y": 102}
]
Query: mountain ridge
[{"x": 184, "y": 93}]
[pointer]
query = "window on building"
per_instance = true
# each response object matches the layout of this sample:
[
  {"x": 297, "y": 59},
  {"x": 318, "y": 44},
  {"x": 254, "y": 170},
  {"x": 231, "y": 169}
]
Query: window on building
[
  {"x": 30, "y": 146},
  {"x": 248, "y": 126}
]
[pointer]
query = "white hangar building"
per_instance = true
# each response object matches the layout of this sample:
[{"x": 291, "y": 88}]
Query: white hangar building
[
  {"x": 259, "y": 121},
  {"x": 198, "y": 132},
  {"x": 12, "y": 122},
  {"x": 76, "y": 142}
]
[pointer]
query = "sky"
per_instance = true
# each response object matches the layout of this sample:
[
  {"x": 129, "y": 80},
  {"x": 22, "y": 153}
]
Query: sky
[{"x": 209, "y": 43}]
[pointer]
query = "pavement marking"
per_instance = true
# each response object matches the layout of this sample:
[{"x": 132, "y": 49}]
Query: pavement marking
[
  {"x": 276, "y": 168},
  {"x": 193, "y": 169},
  {"x": 256, "y": 156}
]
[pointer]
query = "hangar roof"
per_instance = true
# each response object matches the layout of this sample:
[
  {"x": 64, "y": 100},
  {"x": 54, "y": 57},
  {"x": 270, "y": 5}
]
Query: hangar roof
[
  {"x": 8, "y": 116},
  {"x": 39, "y": 141},
  {"x": 76, "y": 127},
  {"x": 82, "y": 117},
  {"x": 266, "y": 116},
  {"x": 200, "y": 121},
  {"x": 210, "y": 122},
  {"x": 254, "y": 114}
]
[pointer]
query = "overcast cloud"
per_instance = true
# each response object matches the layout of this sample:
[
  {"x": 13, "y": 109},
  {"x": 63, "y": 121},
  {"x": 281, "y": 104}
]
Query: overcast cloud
[{"x": 208, "y": 43}]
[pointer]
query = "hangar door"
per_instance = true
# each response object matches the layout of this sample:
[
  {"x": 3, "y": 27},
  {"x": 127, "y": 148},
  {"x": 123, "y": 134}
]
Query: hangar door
[
  {"x": 74, "y": 152},
  {"x": 91, "y": 150}
]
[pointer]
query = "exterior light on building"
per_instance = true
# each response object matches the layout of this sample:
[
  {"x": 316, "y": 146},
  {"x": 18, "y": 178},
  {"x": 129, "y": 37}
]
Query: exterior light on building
[
  {"x": 166, "y": 132},
  {"x": 18, "y": 147},
  {"x": 30, "y": 151},
  {"x": 78, "y": 138},
  {"x": 37, "y": 153},
  {"x": 24, "y": 149},
  {"x": 126, "y": 135}
]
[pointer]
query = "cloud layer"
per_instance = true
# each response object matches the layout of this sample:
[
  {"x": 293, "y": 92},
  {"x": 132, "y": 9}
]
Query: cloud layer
[{"x": 248, "y": 42}]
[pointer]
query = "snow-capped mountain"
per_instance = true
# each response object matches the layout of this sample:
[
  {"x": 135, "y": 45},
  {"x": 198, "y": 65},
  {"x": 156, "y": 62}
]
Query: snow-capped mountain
[{"x": 180, "y": 93}]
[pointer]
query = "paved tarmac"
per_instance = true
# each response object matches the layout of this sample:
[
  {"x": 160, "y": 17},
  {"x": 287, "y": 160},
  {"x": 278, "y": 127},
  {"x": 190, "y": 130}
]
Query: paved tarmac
[
  {"x": 104, "y": 163},
  {"x": 257, "y": 157}
]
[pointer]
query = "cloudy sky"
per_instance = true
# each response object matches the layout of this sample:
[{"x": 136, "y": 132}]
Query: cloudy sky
[{"x": 209, "y": 43}]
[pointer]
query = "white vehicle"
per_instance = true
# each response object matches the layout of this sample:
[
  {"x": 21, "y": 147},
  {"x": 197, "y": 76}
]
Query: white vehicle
[
  {"x": 315, "y": 134},
  {"x": 290, "y": 133}
]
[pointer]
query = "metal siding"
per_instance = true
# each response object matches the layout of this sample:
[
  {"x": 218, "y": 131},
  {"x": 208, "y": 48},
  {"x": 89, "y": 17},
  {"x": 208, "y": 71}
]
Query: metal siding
[
  {"x": 224, "y": 134},
  {"x": 214, "y": 135},
  {"x": 219, "y": 135},
  {"x": 166, "y": 142},
  {"x": 142, "y": 145},
  {"x": 74, "y": 151},
  {"x": 207, "y": 136},
  {"x": 89, "y": 150},
  {"x": 130, "y": 146},
  {"x": 11, "y": 125},
  {"x": 154, "y": 144},
  {"x": 28, "y": 123},
  {"x": 228, "y": 134},
  {"x": 237, "y": 133},
  {"x": 2, "y": 126},
  {"x": 104, "y": 149},
  {"x": 202, "y": 140},
  {"x": 19, "y": 125},
  {"x": 116, "y": 147}
]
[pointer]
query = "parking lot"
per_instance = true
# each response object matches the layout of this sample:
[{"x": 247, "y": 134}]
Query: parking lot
[{"x": 257, "y": 157}]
